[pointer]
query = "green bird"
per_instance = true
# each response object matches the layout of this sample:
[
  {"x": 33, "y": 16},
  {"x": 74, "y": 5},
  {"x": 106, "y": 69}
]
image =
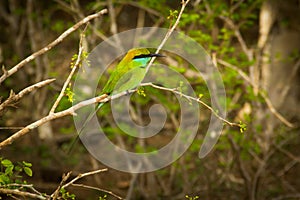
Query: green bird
[
  {"x": 127, "y": 75},
  {"x": 130, "y": 72}
]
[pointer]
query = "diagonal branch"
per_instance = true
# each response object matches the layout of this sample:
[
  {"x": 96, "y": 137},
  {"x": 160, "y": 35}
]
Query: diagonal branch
[
  {"x": 51, "y": 45},
  {"x": 170, "y": 31},
  {"x": 50, "y": 117},
  {"x": 262, "y": 94},
  {"x": 15, "y": 97},
  {"x": 76, "y": 65},
  {"x": 83, "y": 175},
  {"x": 190, "y": 98}
]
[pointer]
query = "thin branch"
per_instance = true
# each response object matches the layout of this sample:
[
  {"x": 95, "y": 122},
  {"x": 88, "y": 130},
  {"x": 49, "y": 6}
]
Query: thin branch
[
  {"x": 21, "y": 193},
  {"x": 83, "y": 175},
  {"x": 69, "y": 111},
  {"x": 75, "y": 11},
  {"x": 170, "y": 31},
  {"x": 51, "y": 45},
  {"x": 244, "y": 172},
  {"x": 98, "y": 189},
  {"x": 55, "y": 194},
  {"x": 21, "y": 186},
  {"x": 113, "y": 24},
  {"x": 76, "y": 65},
  {"x": 15, "y": 97},
  {"x": 239, "y": 36},
  {"x": 262, "y": 94},
  {"x": 190, "y": 98}
]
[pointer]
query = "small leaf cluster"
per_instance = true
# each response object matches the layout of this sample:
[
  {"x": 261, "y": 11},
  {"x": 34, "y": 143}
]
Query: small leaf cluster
[
  {"x": 13, "y": 172},
  {"x": 66, "y": 195}
]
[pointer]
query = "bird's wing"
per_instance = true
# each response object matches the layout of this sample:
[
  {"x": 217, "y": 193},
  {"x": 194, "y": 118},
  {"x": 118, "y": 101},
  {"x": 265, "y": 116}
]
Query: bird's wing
[{"x": 130, "y": 80}]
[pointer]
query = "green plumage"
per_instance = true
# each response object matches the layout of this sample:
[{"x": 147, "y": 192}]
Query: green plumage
[
  {"x": 127, "y": 75},
  {"x": 129, "y": 72}
]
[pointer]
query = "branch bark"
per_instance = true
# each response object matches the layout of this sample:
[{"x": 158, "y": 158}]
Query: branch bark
[
  {"x": 15, "y": 97},
  {"x": 51, "y": 45}
]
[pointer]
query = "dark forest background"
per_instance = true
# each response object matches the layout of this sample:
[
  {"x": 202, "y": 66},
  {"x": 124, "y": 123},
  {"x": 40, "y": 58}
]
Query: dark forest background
[{"x": 255, "y": 45}]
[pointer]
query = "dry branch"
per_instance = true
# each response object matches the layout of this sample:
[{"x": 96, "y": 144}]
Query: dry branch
[
  {"x": 51, "y": 45},
  {"x": 170, "y": 31},
  {"x": 16, "y": 97},
  {"x": 50, "y": 117},
  {"x": 76, "y": 65},
  {"x": 21, "y": 193},
  {"x": 190, "y": 98},
  {"x": 262, "y": 94}
]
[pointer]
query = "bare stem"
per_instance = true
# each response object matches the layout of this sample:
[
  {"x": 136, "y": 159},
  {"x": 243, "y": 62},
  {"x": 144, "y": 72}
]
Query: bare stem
[
  {"x": 193, "y": 99},
  {"x": 262, "y": 94},
  {"x": 170, "y": 31},
  {"x": 83, "y": 175},
  {"x": 16, "y": 97},
  {"x": 76, "y": 65},
  {"x": 51, "y": 45}
]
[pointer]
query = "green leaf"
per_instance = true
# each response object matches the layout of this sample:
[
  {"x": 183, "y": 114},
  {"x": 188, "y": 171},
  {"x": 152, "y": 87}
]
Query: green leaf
[
  {"x": 28, "y": 171},
  {"x": 9, "y": 170},
  {"x": 6, "y": 163},
  {"x": 27, "y": 164},
  {"x": 4, "y": 179}
]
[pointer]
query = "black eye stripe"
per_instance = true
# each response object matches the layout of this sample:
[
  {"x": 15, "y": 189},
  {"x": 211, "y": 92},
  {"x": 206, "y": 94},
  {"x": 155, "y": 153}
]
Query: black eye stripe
[
  {"x": 147, "y": 56},
  {"x": 142, "y": 56}
]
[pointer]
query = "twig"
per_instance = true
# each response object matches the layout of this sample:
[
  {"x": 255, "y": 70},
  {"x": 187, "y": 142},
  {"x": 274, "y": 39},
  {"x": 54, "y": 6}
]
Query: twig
[
  {"x": 83, "y": 175},
  {"x": 193, "y": 99},
  {"x": 239, "y": 36},
  {"x": 51, "y": 45},
  {"x": 65, "y": 177},
  {"x": 21, "y": 193},
  {"x": 139, "y": 5},
  {"x": 98, "y": 189},
  {"x": 113, "y": 24},
  {"x": 78, "y": 12},
  {"x": 289, "y": 165},
  {"x": 21, "y": 186},
  {"x": 76, "y": 65},
  {"x": 170, "y": 31},
  {"x": 244, "y": 172},
  {"x": 262, "y": 94},
  {"x": 263, "y": 164},
  {"x": 15, "y": 97},
  {"x": 69, "y": 111}
]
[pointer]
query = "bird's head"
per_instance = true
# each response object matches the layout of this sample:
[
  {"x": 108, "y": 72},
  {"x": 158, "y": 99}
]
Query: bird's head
[{"x": 140, "y": 56}]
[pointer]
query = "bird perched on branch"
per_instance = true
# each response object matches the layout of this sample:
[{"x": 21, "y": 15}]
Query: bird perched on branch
[{"x": 127, "y": 75}]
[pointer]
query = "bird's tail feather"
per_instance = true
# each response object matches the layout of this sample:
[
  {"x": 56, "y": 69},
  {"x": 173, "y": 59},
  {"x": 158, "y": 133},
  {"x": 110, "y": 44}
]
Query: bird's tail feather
[{"x": 83, "y": 126}]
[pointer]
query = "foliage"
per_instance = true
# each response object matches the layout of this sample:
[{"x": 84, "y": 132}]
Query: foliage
[
  {"x": 239, "y": 151},
  {"x": 65, "y": 195},
  {"x": 13, "y": 172}
]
